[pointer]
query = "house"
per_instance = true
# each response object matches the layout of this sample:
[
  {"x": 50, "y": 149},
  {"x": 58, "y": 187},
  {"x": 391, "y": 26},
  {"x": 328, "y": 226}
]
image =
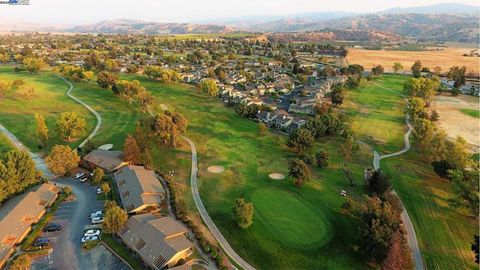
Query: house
[
  {"x": 295, "y": 125},
  {"x": 109, "y": 161},
  {"x": 159, "y": 242},
  {"x": 18, "y": 215},
  {"x": 139, "y": 189}
]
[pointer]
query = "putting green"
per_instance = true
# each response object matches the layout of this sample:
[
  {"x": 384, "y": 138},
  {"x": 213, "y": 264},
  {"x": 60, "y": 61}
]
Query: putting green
[{"x": 290, "y": 220}]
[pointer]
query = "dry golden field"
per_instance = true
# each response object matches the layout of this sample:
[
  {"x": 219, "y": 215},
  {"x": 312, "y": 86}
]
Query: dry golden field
[
  {"x": 456, "y": 122},
  {"x": 450, "y": 56}
]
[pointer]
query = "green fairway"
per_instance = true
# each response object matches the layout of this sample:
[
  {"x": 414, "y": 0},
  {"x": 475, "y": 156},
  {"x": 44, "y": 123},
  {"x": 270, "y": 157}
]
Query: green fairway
[
  {"x": 472, "y": 113},
  {"x": 377, "y": 113},
  {"x": 290, "y": 220},
  {"x": 17, "y": 114},
  {"x": 444, "y": 235}
]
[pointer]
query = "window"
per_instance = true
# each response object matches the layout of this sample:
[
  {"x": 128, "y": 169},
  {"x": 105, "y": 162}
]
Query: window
[
  {"x": 123, "y": 230},
  {"x": 159, "y": 261},
  {"x": 140, "y": 244}
]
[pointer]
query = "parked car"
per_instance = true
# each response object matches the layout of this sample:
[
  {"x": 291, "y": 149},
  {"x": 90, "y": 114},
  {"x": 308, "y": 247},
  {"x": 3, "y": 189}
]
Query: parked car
[
  {"x": 97, "y": 220},
  {"x": 83, "y": 179},
  {"x": 79, "y": 175},
  {"x": 99, "y": 191},
  {"x": 52, "y": 227},
  {"x": 89, "y": 238},
  {"x": 42, "y": 242},
  {"x": 92, "y": 233},
  {"x": 96, "y": 214},
  {"x": 343, "y": 193}
]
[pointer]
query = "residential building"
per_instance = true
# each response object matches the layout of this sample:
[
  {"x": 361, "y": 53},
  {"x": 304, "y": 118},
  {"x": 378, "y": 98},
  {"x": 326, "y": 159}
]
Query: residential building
[
  {"x": 18, "y": 215},
  {"x": 159, "y": 242},
  {"x": 109, "y": 161},
  {"x": 139, "y": 189}
]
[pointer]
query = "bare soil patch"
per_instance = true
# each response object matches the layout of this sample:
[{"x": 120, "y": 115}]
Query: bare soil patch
[
  {"x": 451, "y": 56},
  {"x": 277, "y": 176},
  {"x": 216, "y": 169},
  {"x": 457, "y": 123}
]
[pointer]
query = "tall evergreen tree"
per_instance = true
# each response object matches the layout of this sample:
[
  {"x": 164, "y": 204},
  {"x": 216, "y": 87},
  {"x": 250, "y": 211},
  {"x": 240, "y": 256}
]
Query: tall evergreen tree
[
  {"x": 42, "y": 129},
  {"x": 131, "y": 151}
]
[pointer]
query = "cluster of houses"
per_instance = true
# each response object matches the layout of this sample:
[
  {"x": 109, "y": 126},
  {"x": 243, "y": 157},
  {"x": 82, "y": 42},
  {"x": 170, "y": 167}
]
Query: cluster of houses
[
  {"x": 160, "y": 241},
  {"x": 19, "y": 214},
  {"x": 471, "y": 87}
]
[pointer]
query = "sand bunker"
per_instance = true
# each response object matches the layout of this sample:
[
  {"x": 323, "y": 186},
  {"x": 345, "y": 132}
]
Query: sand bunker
[
  {"x": 277, "y": 176},
  {"x": 216, "y": 169}
]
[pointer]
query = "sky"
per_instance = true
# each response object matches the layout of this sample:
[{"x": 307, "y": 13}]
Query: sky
[{"x": 69, "y": 12}]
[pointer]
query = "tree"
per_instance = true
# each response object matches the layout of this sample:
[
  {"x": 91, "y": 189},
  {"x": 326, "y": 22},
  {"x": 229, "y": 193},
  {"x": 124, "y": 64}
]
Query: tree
[
  {"x": 301, "y": 139},
  {"x": 434, "y": 116},
  {"x": 243, "y": 212},
  {"x": 106, "y": 80},
  {"x": 98, "y": 175},
  {"x": 378, "y": 225},
  {"x": 68, "y": 190},
  {"x": 105, "y": 188},
  {"x": 4, "y": 86},
  {"x": 299, "y": 171},
  {"x": 347, "y": 206},
  {"x": 26, "y": 92},
  {"x": 180, "y": 122},
  {"x": 457, "y": 154},
  {"x": 70, "y": 124},
  {"x": 398, "y": 256},
  {"x": 466, "y": 190},
  {"x": 422, "y": 87},
  {"x": 114, "y": 218},
  {"x": 379, "y": 183},
  {"x": 377, "y": 70},
  {"x": 322, "y": 159},
  {"x": 209, "y": 86},
  {"x": 475, "y": 247},
  {"x": 437, "y": 70},
  {"x": 262, "y": 129},
  {"x": 338, "y": 95},
  {"x": 21, "y": 262},
  {"x": 62, "y": 159},
  {"x": 417, "y": 69},
  {"x": 32, "y": 64},
  {"x": 397, "y": 66},
  {"x": 416, "y": 108},
  {"x": 131, "y": 151},
  {"x": 458, "y": 75},
  {"x": 41, "y": 129},
  {"x": 17, "y": 172},
  {"x": 348, "y": 174}
]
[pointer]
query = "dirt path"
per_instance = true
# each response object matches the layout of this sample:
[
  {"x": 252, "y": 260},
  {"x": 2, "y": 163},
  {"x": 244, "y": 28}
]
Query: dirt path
[{"x": 204, "y": 214}]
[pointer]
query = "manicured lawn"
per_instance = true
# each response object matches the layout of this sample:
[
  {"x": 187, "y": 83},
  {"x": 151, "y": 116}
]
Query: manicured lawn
[
  {"x": 17, "y": 114},
  {"x": 472, "y": 113},
  {"x": 444, "y": 234}
]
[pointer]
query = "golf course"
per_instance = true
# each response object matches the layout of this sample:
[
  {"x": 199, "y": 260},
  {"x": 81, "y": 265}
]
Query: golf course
[{"x": 293, "y": 227}]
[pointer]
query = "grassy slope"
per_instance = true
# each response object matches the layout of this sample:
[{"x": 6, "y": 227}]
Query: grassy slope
[
  {"x": 17, "y": 115},
  {"x": 223, "y": 138},
  {"x": 444, "y": 235},
  {"x": 472, "y": 113},
  {"x": 5, "y": 144}
]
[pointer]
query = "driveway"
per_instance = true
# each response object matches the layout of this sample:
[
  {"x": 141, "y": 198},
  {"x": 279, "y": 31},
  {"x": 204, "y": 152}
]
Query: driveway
[{"x": 73, "y": 216}]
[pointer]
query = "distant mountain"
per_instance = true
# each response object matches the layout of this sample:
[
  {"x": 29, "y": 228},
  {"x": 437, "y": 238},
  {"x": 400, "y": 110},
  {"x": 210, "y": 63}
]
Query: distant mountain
[
  {"x": 126, "y": 26},
  {"x": 445, "y": 8}
]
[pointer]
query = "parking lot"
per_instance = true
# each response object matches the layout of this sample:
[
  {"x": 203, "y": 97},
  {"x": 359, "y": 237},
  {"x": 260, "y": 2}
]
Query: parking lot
[{"x": 73, "y": 216}]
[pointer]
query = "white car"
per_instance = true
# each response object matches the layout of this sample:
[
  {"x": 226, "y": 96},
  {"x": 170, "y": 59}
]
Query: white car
[
  {"x": 97, "y": 220},
  {"x": 343, "y": 193},
  {"x": 96, "y": 214},
  {"x": 92, "y": 233},
  {"x": 78, "y": 175},
  {"x": 99, "y": 191},
  {"x": 89, "y": 238},
  {"x": 83, "y": 179}
]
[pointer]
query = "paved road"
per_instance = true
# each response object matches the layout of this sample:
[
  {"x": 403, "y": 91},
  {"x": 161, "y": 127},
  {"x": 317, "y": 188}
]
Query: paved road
[
  {"x": 411, "y": 235},
  {"x": 206, "y": 218},
  {"x": 97, "y": 115}
]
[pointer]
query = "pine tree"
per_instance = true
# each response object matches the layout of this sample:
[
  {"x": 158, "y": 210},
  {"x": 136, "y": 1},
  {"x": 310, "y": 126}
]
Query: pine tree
[
  {"x": 131, "y": 151},
  {"x": 42, "y": 129}
]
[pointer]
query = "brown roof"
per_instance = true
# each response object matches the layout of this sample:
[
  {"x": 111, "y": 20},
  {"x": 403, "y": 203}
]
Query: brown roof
[
  {"x": 18, "y": 214},
  {"x": 107, "y": 160},
  {"x": 138, "y": 186},
  {"x": 155, "y": 239}
]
